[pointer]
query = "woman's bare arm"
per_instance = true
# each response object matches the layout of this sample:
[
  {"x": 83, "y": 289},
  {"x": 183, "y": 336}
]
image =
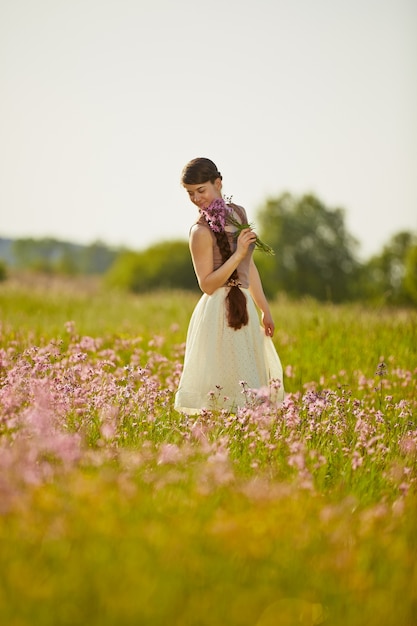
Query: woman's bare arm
[{"x": 257, "y": 293}]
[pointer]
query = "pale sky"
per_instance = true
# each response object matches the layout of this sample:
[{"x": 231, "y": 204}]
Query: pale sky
[{"x": 102, "y": 102}]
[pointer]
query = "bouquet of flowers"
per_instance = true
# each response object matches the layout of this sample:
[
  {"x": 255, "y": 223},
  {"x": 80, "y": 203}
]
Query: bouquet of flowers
[{"x": 218, "y": 214}]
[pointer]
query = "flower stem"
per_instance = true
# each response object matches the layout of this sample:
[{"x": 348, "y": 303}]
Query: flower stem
[{"x": 259, "y": 244}]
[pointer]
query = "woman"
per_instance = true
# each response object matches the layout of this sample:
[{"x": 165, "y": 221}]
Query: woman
[{"x": 227, "y": 352}]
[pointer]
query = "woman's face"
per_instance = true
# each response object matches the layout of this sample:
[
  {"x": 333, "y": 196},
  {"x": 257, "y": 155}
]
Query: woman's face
[{"x": 203, "y": 195}]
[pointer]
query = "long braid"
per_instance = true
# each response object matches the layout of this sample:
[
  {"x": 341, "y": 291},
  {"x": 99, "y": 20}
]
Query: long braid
[{"x": 237, "y": 312}]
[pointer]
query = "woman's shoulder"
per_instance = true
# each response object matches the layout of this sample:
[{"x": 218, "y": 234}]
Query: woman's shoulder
[
  {"x": 200, "y": 224},
  {"x": 200, "y": 230},
  {"x": 240, "y": 210},
  {"x": 201, "y": 239}
]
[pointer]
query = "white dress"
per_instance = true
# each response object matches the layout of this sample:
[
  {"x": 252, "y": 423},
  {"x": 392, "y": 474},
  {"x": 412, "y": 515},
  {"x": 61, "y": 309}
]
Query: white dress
[
  {"x": 218, "y": 358},
  {"x": 220, "y": 362}
]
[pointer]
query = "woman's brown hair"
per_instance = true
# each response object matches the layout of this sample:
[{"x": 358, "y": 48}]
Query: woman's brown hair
[{"x": 196, "y": 172}]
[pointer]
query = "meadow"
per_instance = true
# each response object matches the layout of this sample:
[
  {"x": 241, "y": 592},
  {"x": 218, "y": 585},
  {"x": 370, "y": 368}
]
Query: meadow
[{"x": 116, "y": 510}]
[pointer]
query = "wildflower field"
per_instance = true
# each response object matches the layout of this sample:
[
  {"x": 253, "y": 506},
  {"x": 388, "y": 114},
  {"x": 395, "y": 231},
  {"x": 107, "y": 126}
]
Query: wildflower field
[{"x": 116, "y": 510}]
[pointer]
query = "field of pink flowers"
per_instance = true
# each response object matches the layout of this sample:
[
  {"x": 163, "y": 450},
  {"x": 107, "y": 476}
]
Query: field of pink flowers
[{"x": 116, "y": 510}]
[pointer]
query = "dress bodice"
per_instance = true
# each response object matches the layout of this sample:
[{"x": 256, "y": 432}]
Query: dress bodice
[{"x": 243, "y": 267}]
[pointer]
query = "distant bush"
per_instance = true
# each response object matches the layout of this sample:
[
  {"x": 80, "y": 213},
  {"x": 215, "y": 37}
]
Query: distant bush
[{"x": 164, "y": 265}]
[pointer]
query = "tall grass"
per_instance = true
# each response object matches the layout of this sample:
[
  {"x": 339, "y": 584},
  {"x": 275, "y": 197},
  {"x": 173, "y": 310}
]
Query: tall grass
[{"x": 114, "y": 509}]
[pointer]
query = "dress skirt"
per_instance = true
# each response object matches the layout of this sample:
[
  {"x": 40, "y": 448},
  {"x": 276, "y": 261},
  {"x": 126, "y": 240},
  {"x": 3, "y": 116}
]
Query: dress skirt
[{"x": 220, "y": 362}]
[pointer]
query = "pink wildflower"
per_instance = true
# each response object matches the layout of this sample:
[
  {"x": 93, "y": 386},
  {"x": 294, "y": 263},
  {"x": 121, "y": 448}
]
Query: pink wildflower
[
  {"x": 218, "y": 214},
  {"x": 169, "y": 453},
  {"x": 357, "y": 460}
]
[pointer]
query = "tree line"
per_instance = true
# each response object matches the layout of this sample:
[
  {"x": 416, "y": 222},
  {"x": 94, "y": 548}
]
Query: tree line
[
  {"x": 314, "y": 256},
  {"x": 52, "y": 256}
]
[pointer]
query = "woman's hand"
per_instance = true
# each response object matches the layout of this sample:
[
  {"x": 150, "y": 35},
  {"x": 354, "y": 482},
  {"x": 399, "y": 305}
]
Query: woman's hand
[
  {"x": 244, "y": 241},
  {"x": 268, "y": 324}
]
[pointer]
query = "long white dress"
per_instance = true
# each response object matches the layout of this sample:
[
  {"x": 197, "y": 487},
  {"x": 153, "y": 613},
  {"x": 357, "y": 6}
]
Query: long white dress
[{"x": 221, "y": 363}]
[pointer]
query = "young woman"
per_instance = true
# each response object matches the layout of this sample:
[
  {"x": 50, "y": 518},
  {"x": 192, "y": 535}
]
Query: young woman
[{"x": 227, "y": 352}]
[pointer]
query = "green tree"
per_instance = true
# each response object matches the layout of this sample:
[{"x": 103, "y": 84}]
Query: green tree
[
  {"x": 390, "y": 275},
  {"x": 314, "y": 253},
  {"x": 164, "y": 265},
  {"x": 38, "y": 254},
  {"x": 54, "y": 256},
  {"x": 410, "y": 274},
  {"x": 96, "y": 258},
  {"x": 46, "y": 255},
  {"x": 65, "y": 261}
]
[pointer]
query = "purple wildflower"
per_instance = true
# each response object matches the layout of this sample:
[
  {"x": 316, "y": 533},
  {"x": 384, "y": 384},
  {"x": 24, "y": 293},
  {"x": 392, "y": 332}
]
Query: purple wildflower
[{"x": 216, "y": 214}]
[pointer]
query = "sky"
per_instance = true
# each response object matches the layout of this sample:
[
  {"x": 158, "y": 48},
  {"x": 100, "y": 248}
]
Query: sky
[{"x": 102, "y": 103}]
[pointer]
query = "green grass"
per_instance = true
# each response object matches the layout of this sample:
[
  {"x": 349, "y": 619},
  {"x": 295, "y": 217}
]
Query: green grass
[
  {"x": 316, "y": 339},
  {"x": 40, "y": 309},
  {"x": 115, "y": 510}
]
